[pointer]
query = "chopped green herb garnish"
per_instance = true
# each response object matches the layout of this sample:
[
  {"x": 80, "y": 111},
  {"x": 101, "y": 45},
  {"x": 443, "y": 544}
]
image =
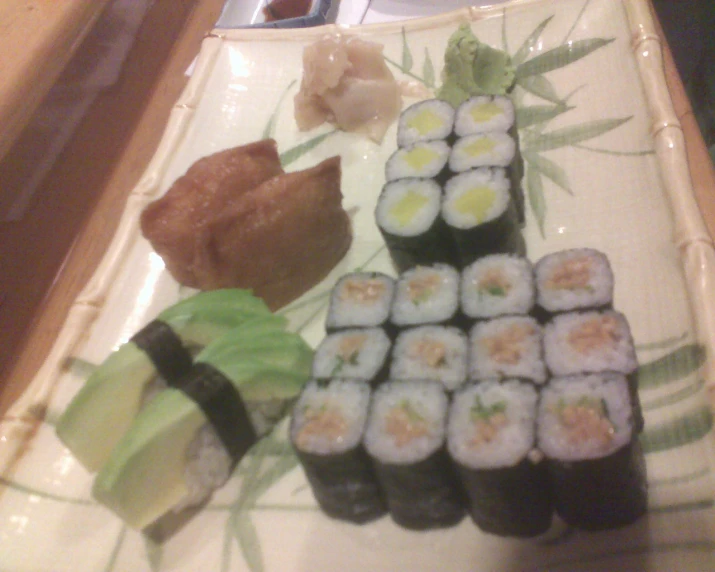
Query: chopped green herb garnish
[{"x": 479, "y": 411}]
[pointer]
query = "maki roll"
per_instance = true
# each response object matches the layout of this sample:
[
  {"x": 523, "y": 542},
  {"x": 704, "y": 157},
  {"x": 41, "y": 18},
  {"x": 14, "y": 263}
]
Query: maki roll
[
  {"x": 497, "y": 285},
  {"x": 424, "y": 159},
  {"x": 586, "y": 431},
  {"x": 326, "y": 432},
  {"x": 426, "y": 295},
  {"x": 576, "y": 279},
  {"x": 593, "y": 342},
  {"x": 405, "y": 437},
  {"x": 425, "y": 121},
  {"x": 479, "y": 210},
  {"x": 491, "y": 436},
  {"x": 360, "y": 299},
  {"x": 359, "y": 353},
  {"x": 408, "y": 216},
  {"x": 507, "y": 347},
  {"x": 484, "y": 114},
  {"x": 482, "y": 150},
  {"x": 435, "y": 353}
]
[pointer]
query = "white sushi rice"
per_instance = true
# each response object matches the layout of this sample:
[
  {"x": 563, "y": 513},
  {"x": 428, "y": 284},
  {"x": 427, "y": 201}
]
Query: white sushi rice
[
  {"x": 459, "y": 185},
  {"x": 492, "y": 150},
  {"x": 516, "y": 297},
  {"x": 424, "y": 159},
  {"x": 411, "y": 355},
  {"x": 466, "y": 124},
  {"x": 440, "y": 121},
  {"x": 427, "y": 399},
  {"x": 348, "y": 399},
  {"x": 554, "y": 437},
  {"x": 513, "y": 440},
  {"x": 599, "y": 289},
  {"x": 441, "y": 305},
  {"x": 563, "y": 358},
  {"x": 520, "y": 358},
  {"x": 360, "y": 299},
  {"x": 394, "y": 192},
  {"x": 370, "y": 357}
]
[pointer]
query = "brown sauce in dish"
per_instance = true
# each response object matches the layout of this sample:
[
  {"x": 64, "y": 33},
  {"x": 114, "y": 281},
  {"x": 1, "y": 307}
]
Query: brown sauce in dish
[
  {"x": 508, "y": 346},
  {"x": 594, "y": 334},
  {"x": 285, "y": 9},
  {"x": 574, "y": 274}
]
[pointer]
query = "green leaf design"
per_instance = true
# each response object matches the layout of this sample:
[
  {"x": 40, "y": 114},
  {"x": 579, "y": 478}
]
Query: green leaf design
[
  {"x": 114, "y": 555},
  {"x": 678, "y": 432},
  {"x": 428, "y": 69},
  {"x": 12, "y": 485},
  {"x": 269, "y": 129},
  {"x": 548, "y": 169},
  {"x": 680, "y": 479},
  {"x": 574, "y": 134},
  {"x": 615, "y": 153},
  {"x": 560, "y": 56},
  {"x": 523, "y": 52},
  {"x": 406, "y": 54},
  {"x": 676, "y": 397},
  {"x": 295, "y": 153},
  {"x": 248, "y": 540},
  {"x": 539, "y": 86},
  {"x": 535, "y": 191},
  {"x": 672, "y": 366},
  {"x": 684, "y": 507},
  {"x": 282, "y": 466},
  {"x": 504, "y": 44},
  {"x": 530, "y": 115},
  {"x": 662, "y": 344}
]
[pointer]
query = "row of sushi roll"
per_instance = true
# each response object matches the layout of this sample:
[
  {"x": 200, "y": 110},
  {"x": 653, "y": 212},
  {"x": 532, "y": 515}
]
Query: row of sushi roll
[
  {"x": 506, "y": 391},
  {"x": 453, "y": 186},
  {"x": 167, "y": 416}
]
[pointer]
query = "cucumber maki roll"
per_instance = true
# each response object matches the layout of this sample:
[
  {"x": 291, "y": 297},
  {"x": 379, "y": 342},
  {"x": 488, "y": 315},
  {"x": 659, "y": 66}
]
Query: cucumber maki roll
[
  {"x": 435, "y": 353},
  {"x": 408, "y": 216},
  {"x": 424, "y": 159},
  {"x": 360, "y": 299},
  {"x": 426, "y": 295},
  {"x": 491, "y": 438},
  {"x": 497, "y": 285},
  {"x": 326, "y": 432},
  {"x": 593, "y": 342},
  {"x": 483, "y": 114},
  {"x": 479, "y": 210},
  {"x": 482, "y": 150},
  {"x": 425, "y": 121},
  {"x": 570, "y": 280},
  {"x": 358, "y": 353},
  {"x": 405, "y": 437},
  {"x": 586, "y": 431},
  {"x": 507, "y": 347}
]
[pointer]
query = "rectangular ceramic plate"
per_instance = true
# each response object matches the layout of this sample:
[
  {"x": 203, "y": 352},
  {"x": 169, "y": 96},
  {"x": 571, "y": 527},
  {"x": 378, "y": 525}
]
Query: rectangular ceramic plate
[{"x": 605, "y": 168}]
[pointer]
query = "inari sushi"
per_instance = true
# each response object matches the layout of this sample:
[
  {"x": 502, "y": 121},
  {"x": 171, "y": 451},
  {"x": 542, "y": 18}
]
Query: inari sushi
[
  {"x": 360, "y": 299},
  {"x": 405, "y": 437},
  {"x": 481, "y": 215},
  {"x": 491, "y": 436},
  {"x": 427, "y": 120},
  {"x": 426, "y": 295},
  {"x": 326, "y": 432},
  {"x": 586, "y": 431},
  {"x": 408, "y": 216},
  {"x": 357, "y": 353}
]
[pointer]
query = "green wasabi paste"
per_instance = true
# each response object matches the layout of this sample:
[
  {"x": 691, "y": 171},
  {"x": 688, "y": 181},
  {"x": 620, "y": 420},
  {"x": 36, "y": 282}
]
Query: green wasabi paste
[{"x": 473, "y": 68}]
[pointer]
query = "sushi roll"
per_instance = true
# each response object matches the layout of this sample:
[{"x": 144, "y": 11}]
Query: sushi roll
[
  {"x": 491, "y": 438},
  {"x": 408, "y": 216},
  {"x": 426, "y": 295},
  {"x": 593, "y": 342},
  {"x": 358, "y": 353},
  {"x": 405, "y": 437},
  {"x": 478, "y": 208},
  {"x": 507, "y": 347},
  {"x": 425, "y": 121},
  {"x": 570, "y": 280},
  {"x": 497, "y": 285},
  {"x": 484, "y": 114},
  {"x": 482, "y": 150},
  {"x": 434, "y": 353},
  {"x": 424, "y": 159},
  {"x": 360, "y": 299},
  {"x": 326, "y": 432},
  {"x": 586, "y": 431}
]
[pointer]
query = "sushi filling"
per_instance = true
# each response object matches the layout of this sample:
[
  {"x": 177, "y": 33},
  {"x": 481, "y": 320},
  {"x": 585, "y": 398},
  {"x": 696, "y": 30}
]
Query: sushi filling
[
  {"x": 360, "y": 299},
  {"x": 357, "y": 353},
  {"x": 424, "y": 121},
  {"x": 497, "y": 285},
  {"x": 482, "y": 114},
  {"x": 423, "y": 159},
  {"x": 408, "y": 207},
  {"x": 475, "y": 197},
  {"x": 426, "y": 294},
  {"x": 482, "y": 150}
]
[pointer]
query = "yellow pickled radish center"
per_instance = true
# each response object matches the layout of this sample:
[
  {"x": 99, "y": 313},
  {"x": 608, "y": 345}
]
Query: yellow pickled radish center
[
  {"x": 424, "y": 122},
  {"x": 480, "y": 146},
  {"x": 405, "y": 210},
  {"x": 419, "y": 157},
  {"x": 485, "y": 112},
  {"x": 475, "y": 202}
]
